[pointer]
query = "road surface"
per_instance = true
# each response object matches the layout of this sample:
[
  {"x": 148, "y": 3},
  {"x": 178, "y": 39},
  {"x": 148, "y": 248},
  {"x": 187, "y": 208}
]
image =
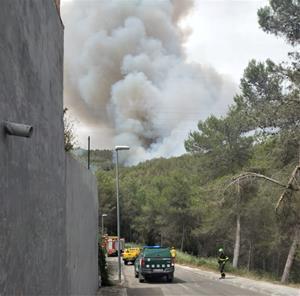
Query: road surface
[
  {"x": 192, "y": 281},
  {"x": 186, "y": 282}
]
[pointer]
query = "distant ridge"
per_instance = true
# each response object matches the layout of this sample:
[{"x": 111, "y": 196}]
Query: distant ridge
[{"x": 100, "y": 159}]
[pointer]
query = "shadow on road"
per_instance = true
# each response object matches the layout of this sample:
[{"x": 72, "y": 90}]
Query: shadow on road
[
  {"x": 159, "y": 280},
  {"x": 144, "y": 292},
  {"x": 228, "y": 278}
]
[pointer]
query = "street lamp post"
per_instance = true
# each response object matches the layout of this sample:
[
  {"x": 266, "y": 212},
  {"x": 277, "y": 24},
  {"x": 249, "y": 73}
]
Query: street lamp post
[
  {"x": 118, "y": 148},
  {"x": 102, "y": 224}
]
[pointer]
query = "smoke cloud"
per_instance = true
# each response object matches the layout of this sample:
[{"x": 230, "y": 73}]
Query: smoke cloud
[{"x": 127, "y": 80}]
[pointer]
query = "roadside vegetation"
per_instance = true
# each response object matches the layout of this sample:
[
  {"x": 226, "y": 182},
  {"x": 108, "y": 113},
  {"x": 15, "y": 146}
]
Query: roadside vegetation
[
  {"x": 211, "y": 264},
  {"x": 219, "y": 194},
  {"x": 102, "y": 267},
  {"x": 69, "y": 134}
]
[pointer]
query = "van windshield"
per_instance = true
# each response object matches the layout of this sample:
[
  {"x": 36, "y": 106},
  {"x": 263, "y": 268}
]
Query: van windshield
[{"x": 157, "y": 252}]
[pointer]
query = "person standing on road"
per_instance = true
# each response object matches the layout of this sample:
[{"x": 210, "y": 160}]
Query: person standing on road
[
  {"x": 173, "y": 253},
  {"x": 222, "y": 259}
]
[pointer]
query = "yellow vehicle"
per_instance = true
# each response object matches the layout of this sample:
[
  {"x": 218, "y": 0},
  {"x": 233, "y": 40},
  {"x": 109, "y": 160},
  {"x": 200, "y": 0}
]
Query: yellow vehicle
[{"x": 130, "y": 254}]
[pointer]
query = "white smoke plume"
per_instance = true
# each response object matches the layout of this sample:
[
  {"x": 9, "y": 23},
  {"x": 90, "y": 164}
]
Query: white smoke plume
[{"x": 126, "y": 78}]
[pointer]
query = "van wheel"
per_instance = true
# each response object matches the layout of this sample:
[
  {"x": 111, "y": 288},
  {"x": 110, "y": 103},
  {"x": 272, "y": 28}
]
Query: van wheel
[{"x": 170, "y": 278}]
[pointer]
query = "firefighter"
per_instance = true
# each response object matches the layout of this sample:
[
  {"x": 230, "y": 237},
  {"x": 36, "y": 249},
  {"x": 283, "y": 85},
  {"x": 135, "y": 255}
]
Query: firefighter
[
  {"x": 222, "y": 259},
  {"x": 173, "y": 252}
]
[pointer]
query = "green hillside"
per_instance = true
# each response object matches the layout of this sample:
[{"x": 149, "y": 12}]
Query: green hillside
[
  {"x": 238, "y": 185},
  {"x": 99, "y": 159}
]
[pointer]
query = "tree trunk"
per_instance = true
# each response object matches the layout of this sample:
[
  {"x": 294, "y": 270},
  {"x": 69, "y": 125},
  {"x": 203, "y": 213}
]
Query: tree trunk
[
  {"x": 291, "y": 255},
  {"x": 249, "y": 255},
  {"x": 182, "y": 239},
  {"x": 274, "y": 262},
  {"x": 199, "y": 249},
  {"x": 236, "y": 251},
  {"x": 278, "y": 264}
]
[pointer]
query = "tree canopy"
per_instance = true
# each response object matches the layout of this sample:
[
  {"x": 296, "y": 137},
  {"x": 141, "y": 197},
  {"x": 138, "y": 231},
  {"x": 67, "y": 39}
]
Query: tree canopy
[
  {"x": 182, "y": 201},
  {"x": 282, "y": 17}
]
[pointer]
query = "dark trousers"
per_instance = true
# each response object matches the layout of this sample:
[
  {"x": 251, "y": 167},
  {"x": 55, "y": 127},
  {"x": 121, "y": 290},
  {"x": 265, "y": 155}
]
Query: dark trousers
[{"x": 221, "y": 267}]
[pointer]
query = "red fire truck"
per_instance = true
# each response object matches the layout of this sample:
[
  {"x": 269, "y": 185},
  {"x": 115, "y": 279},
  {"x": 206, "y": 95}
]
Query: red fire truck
[{"x": 110, "y": 243}]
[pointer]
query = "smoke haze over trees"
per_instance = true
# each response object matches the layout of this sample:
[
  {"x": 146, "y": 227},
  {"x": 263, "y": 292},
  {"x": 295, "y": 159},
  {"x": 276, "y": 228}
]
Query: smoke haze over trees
[{"x": 127, "y": 78}]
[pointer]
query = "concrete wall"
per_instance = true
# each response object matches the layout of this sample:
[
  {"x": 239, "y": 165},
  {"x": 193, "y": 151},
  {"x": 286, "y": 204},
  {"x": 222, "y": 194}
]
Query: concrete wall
[
  {"x": 32, "y": 211},
  {"x": 34, "y": 226},
  {"x": 82, "y": 226}
]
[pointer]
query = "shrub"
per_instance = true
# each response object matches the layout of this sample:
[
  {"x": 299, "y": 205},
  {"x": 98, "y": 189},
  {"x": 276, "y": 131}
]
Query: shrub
[{"x": 102, "y": 265}]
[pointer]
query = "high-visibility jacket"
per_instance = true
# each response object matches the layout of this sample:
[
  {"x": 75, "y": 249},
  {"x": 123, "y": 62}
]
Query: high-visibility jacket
[
  {"x": 222, "y": 258},
  {"x": 173, "y": 253}
]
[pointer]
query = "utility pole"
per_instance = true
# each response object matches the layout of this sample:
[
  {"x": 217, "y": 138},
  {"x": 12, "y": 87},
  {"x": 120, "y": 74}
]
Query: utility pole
[
  {"x": 89, "y": 151},
  {"x": 102, "y": 224},
  {"x": 117, "y": 148}
]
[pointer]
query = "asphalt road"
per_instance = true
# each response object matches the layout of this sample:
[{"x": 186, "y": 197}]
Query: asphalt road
[
  {"x": 190, "y": 281},
  {"x": 186, "y": 282}
]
